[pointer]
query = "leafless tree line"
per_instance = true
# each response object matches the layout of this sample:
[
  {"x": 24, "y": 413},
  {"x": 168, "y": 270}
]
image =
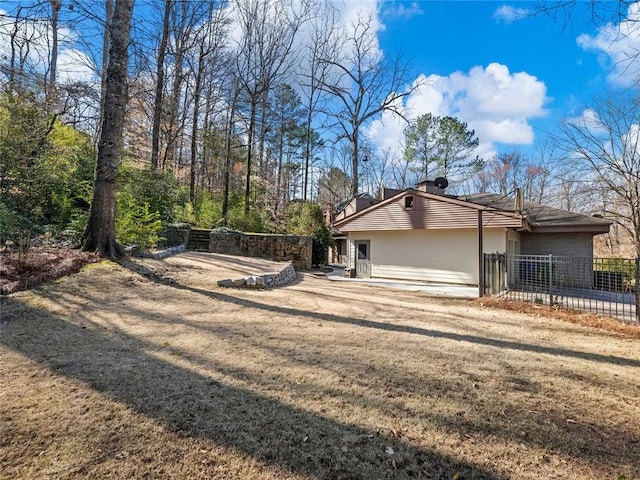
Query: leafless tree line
[{"x": 264, "y": 99}]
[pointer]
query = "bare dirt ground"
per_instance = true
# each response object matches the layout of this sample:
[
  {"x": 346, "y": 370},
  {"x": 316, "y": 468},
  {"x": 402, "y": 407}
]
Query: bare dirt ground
[{"x": 149, "y": 370}]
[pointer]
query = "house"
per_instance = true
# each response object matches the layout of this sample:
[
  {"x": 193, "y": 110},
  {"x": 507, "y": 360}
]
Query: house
[
  {"x": 425, "y": 235},
  {"x": 338, "y": 253}
]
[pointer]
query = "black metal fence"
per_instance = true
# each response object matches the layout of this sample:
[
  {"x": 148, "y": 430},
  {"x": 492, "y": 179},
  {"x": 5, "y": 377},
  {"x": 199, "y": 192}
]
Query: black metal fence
[{"x": 607, "y": 286}]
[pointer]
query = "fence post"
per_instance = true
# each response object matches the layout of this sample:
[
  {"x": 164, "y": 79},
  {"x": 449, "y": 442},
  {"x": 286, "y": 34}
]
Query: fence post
[
  {"x": 550, "y": 283},
  {"x": 638, "y": 289}
]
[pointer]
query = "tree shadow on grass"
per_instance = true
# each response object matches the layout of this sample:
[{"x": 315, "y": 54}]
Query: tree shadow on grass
[
  {"x": 394, "y": 327},
  {"x": 197, "y": 406}
]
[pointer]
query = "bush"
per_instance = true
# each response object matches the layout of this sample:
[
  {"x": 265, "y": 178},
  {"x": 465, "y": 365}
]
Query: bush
[
  {"x": 137, "y": 224},
  {"x": 322, "y": 241},
  {"x": 202, "y": 213},
  {"x": 303, "y": 218},
  {"x": 306, "y": 219},
  {"x": 46, "y": 168},
  {"x": 72, "y": 234},
  {"x": 245, "y": 222},
  {"x": 156, "y": 188}
]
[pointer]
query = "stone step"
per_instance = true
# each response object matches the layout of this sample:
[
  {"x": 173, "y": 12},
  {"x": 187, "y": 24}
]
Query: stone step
[{"x": 198, "y": 240}]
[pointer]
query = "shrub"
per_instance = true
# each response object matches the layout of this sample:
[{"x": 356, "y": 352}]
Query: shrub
[
  {"x": 136, "y": 224},
  {"x": 322, "y": 241},
  {"x": 202, "y": 213},
  {"x": 156, "y": 188},
  {"x": 303, "y": 218},
  {"x": 245, "y": 222}
]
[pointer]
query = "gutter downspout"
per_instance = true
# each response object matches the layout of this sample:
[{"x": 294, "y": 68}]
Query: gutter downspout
[{"x": 480, "y": 257}]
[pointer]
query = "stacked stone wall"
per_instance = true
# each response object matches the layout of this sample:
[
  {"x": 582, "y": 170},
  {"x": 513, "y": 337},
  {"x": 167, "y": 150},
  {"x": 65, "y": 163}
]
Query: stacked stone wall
[
  {"x": 280, "y": 248},
  {"x": 177, "y": 236},
  {"x": 266, "y": 280}
]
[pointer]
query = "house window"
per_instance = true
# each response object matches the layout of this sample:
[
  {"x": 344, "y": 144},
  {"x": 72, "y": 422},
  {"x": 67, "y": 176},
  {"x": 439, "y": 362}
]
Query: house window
[
  {"x": 408, "y": 202},
  {"x": 362, "y": 251}
]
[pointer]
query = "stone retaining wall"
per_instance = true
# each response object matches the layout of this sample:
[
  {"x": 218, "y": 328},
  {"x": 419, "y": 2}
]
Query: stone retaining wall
[
  {"x": 279, "y": 248},
  {"x": 177, "y": 236},
  {"x": 167, "y": 252},
  {"x": 265, "y": 280}
]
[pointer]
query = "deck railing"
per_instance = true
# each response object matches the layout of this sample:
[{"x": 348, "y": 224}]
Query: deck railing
[{"x": 607, "y": 286}]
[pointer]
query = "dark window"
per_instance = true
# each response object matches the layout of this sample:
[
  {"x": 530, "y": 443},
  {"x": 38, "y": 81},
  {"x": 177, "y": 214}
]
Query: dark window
[
  {"x": 362, "y": 251},
  {"x": 408, "y": 202}
]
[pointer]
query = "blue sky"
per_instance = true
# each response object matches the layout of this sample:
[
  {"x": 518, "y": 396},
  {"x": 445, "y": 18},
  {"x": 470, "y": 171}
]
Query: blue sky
[
  {"x": 510, "y": 76},
  {"x": 514, "y": 76}
]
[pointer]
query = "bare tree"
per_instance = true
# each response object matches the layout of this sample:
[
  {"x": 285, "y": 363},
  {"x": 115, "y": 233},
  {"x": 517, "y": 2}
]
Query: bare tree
[
  {"x": 209, "y": 48},
  {"x": 99, "y": 235},
  {"x": 24, "y": 37},
  {"x": 53, "y": 61},
  {"x": 186, "y": 17},
  {"x": 159, "y": 98},
  {"x": 400, "y": 170},
  {"x": 377, "y": 172},
  {"x": 106, "y": 46},
  {"x": 604, "y": 145},
  {"x": 320, "y": 47},
  {"x": 364, "y": 84},
  {"x": 617, "y": 19},
  {"x": 567, "y": 12},
  {"x": 268, "y": 30},
  {"x": 234, "y": 92}
]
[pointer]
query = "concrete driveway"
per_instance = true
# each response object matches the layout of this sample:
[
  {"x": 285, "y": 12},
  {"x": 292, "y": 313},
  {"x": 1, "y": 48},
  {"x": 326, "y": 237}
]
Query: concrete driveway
[{"x": 458, "y": 291}]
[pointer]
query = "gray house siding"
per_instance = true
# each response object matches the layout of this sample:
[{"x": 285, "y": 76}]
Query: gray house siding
[
  {"x": 574, "y": 272},
  {"x": 560, "y": 244}
]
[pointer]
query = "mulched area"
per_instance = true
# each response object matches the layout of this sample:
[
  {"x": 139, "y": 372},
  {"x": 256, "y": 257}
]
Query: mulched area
[
  {"x": 21, "y": 271},
  {"x": 571, "y": 316}
]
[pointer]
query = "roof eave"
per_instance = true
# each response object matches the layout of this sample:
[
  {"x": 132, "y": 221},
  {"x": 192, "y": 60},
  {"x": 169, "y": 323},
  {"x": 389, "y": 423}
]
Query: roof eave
[
  {"x": 410, "y": 191},
  {"x": 595, "y": 229}
]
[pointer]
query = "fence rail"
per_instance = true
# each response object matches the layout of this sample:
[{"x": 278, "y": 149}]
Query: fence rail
[{"x": 607, "y": 286}]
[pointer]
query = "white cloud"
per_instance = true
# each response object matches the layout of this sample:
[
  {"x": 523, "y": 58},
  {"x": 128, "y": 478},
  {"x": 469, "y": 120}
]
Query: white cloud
[
  {"x": 350, "y": 15},
  {"x": 631, "y": 140},
  {"x": 510, "y": 14},
  {"x": 588, "y": 120},
  {"x": 73, "y": 64},
  {"x": 492, "y": 101},
  {"x": 354, "y": 15},
  {"x": 401, "y": 10},
  {"x": 618, "y": 45}
]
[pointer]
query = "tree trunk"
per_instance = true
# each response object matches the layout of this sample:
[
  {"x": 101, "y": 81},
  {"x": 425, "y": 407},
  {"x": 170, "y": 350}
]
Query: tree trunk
[
  {"x": 99, "y": 235},
  {"x": 250, "y": 140},
  {"x": 227, "y": 160},
  {"x": 12, "y": 61},
  {"x": 194, "y": 133},
  {"x": 53, "y": 68},
  {"x": 354, "y": 163},
  {"x": 106, "y": 45},
  {"x": 307, "y": 155},
  {"x": 157, "y": 107},
  {"x": 174, "y": 128},
  {"x": 278, "y": 195}
]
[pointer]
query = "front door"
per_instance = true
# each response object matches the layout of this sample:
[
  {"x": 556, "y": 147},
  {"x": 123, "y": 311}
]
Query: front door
[{"x": 363, "y": 258}]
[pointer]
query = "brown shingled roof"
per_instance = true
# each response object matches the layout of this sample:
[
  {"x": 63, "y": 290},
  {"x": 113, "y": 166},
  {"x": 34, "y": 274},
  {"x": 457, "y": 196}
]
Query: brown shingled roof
[{"x": 540, "y": 217}]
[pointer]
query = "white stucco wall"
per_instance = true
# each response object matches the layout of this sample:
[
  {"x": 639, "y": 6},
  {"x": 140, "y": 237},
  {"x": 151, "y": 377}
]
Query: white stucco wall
[{"x": 449, "y": 256}]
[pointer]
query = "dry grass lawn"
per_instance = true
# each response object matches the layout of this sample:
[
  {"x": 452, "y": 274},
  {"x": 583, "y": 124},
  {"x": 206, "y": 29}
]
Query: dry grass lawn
[{"x": 149, "y": 370}]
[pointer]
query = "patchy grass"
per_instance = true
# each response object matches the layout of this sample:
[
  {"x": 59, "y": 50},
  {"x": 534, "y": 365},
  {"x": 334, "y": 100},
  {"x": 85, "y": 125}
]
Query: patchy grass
[{"x": 151, "y": 371}]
